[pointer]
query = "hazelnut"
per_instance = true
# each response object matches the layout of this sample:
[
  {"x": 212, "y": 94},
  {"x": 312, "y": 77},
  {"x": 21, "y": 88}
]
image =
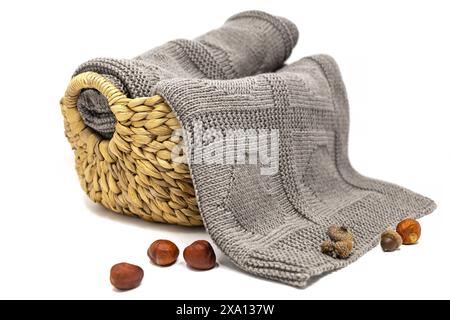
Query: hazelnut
[
  {"x": 343, "y": 248},
  {"x": 163, "y": 252},
  {"x": 409, "y": 230},
  {"x": 327, "y": 247},
  {"x": 390, "y": 240},
  {"x": 339, "y": 233},
  {"x": 200, "y": 255},
  {"x": 126, "y": 276}
]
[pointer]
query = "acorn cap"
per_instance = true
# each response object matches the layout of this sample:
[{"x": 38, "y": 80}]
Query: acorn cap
[
  {"x": 339, "y": 233},
  {"x": 327, "y": 247},
  {"x": 344, "y": 248}
]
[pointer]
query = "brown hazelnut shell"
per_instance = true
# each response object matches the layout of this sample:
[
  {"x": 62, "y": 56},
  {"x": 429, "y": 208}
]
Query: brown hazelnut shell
[
  {"x": 163, "y": 252},
  {"x": 200, "y": 255},
  {"x": 126, "y": 276}
]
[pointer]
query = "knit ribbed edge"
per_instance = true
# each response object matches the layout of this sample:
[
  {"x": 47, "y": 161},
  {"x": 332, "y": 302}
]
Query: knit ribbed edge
[
  {"x": 285, "y": 28},
  {"x": 223, "y": 58},
  {"x": 194, "y": 50}
]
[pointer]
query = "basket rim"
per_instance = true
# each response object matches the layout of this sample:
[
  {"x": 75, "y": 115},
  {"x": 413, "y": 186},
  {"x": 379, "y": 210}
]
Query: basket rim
[{"x": 93, "y": 80}]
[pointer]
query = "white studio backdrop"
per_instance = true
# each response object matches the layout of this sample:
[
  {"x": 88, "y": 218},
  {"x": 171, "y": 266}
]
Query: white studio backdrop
[{"x": 54, "y": 243}]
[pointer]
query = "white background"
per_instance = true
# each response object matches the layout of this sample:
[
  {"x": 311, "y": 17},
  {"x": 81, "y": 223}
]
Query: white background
[{"x": 54, "y": 243}]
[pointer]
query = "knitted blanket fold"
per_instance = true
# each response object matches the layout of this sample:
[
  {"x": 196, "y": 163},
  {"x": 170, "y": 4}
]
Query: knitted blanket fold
[
  {"x": 248, "y": 43},
  {"x": 268, "y": 216}
]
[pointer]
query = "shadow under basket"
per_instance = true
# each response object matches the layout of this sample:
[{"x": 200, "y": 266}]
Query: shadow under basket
[{"x": 132, "y": 173}]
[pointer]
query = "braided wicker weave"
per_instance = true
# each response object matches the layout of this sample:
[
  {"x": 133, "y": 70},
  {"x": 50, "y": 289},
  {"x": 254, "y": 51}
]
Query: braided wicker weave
[{"x": 132, "y": 173}]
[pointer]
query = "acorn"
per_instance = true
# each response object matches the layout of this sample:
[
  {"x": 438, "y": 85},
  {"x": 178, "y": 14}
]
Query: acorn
[
  {"x": 390, "y": 240},
  {"x": 343, "y": 248},
  {"x": 409, "y": 230},
  {"x": 339, "y": 233},
  {"x": 327, "y": 247}
]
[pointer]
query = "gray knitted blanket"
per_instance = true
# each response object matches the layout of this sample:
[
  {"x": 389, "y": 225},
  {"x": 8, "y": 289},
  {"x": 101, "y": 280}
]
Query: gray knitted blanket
[{"x": 268, "y": 206}]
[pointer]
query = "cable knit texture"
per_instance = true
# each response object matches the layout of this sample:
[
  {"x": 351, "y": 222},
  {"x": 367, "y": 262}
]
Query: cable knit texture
[{"x": 233, "y": 78}]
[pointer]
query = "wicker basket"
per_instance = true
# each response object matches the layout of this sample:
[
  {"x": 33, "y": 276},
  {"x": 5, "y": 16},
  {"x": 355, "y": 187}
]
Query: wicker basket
[{"x": 132, "y": 173}]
